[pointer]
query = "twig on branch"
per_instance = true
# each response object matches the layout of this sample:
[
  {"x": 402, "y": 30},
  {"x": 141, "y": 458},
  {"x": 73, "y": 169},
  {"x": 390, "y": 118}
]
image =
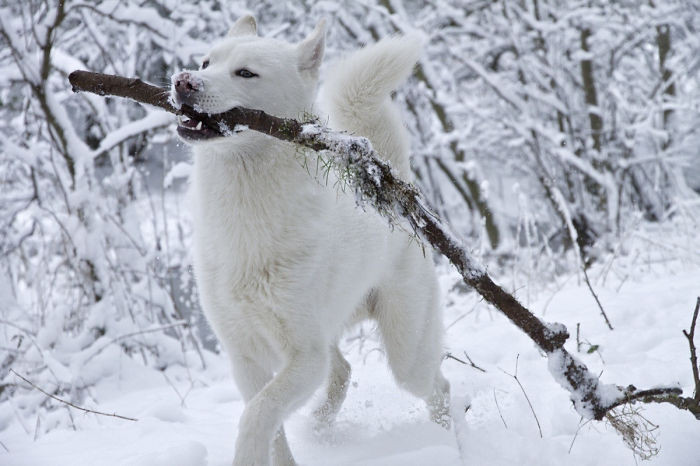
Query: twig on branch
[
  {"x": 71, "y": 404},
  {"x": 398, "y": 201},
  {"x": 133, "y": 334},
  {"x": 578, "y": 337},
  {"x": 693, "y": 354},
  {"x": 581, "y": 425},
  {"x": 527, "y": 398},
  {"x": 499, "y": 409},
  {"x": 595, "y": 296},
  {"x": 636, "y": 431},
  {"x": 470, "y": 363}
]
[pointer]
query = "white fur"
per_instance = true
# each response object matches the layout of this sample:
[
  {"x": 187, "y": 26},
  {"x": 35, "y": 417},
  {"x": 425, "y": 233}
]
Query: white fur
[{"x": 285, "y": 264}]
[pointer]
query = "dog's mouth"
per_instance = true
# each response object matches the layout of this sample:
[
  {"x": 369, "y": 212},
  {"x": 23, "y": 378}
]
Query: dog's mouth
[{"x": 193, "y": 130}]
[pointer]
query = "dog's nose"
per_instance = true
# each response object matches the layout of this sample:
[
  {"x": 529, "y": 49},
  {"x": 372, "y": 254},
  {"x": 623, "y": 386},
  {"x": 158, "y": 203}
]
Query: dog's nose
[{"x": 185, "y": 86}]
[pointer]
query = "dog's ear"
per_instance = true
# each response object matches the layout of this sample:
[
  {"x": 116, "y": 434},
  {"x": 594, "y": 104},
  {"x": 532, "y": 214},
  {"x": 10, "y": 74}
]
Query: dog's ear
[
  {"x": 244, "y": 26},
  {"x": 311, "y": 49}
]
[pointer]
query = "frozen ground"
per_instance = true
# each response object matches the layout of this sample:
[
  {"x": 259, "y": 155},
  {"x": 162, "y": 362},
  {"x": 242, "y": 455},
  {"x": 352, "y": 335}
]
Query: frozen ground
[{"x": 190, "y": 419}]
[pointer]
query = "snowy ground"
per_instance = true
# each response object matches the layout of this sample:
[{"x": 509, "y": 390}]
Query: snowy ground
[{"x": 190, "y": 419}]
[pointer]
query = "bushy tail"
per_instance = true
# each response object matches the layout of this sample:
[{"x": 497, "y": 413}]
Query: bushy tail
[{"x": 356, "y": 94}]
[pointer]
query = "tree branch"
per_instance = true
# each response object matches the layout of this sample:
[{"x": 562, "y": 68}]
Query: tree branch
[
  {"x": 693, "y": 354},
  {"x": 71, "y": 404},
  {"x": 399, "y": 201}
]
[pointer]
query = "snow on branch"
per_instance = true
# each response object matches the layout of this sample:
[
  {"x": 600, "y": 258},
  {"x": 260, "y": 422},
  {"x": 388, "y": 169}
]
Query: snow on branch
[{"x": 376, "y": 184}]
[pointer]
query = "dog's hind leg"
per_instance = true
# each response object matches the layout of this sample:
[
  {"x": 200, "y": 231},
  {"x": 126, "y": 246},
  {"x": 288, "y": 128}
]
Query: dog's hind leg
[
  {"x": 251, "y": 378},
  {"x": 407, "y": 314},
  {"x": 439, "y": 401},
  {"x": 336, "y": 390},
  {"x": 263, "y": 415}
]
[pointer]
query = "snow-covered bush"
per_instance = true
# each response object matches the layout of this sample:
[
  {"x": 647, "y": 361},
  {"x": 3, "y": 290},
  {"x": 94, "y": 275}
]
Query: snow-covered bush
[{"x": 93, "y": 253}]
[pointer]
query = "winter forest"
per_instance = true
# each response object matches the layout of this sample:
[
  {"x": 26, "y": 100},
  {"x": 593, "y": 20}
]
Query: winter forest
[{"x": 559, "y": 140}]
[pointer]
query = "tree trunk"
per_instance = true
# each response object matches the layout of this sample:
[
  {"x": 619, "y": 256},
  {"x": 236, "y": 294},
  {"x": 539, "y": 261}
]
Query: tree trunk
[
  {"x": 663, "y": 40},
  {"x": 591, "y": 96}
]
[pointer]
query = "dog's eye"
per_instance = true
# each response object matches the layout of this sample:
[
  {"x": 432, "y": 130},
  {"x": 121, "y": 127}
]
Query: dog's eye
[
  {"x": 244, "y": 73},
  {"x": 205, "y": 63}
]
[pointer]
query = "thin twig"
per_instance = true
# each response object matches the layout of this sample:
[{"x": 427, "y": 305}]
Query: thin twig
[
  {"x": 578, "y": 337},
  {"x": 591, "y": 347},
  {"x": 133, "y": 334},
  {"x": 693, "y": 354},
  {"x": 515, "y": 376},
  {"x": 470, "y": 363},
  {"x": 636, "y": 431},
  {"x": 451, "y": 356},
  {"x": 595, "y": 296},
  {"x": 581, "y": 426},
  {"x": 37, "y": 425},
  {"x": 71, "y": 404},
  {"x": 499, "y": 409},
  {"x": 177, "y": 392}
]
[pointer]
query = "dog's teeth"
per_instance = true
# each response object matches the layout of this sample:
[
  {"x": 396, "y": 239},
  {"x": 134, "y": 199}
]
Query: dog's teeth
[
  {"x": 199, "y": 125},
  {"x": 180, "y": 119}
]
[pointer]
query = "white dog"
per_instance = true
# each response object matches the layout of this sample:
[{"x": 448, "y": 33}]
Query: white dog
[{"x": 284, "y": 264}]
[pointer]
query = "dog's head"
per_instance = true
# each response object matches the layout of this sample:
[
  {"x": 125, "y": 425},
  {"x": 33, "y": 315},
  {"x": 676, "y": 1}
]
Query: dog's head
[{"x": 244, "y": 70}]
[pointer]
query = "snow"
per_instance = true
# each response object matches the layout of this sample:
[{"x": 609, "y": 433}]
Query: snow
[
  {"x": 120, "y": 355},
  {"x": 555, "y": 328},
  {"x": 179, "y": 170},
  {"x": 151, "y": 121},
  {"x": 188, "y": 417},
  {"x": 606, "y": 394}
]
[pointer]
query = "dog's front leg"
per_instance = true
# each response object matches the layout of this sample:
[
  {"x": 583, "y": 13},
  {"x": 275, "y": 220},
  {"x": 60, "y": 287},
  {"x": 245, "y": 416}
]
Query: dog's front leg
[
  {"x": 265, "y": 413},
  {"x": 250, "y": 378}
]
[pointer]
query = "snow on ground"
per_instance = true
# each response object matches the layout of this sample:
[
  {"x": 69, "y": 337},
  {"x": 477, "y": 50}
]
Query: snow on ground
[{"x": 190, "y": 418}]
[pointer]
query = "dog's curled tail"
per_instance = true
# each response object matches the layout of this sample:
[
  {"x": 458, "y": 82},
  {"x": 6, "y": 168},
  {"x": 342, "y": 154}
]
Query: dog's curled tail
[{"x": 357, "y": 90}]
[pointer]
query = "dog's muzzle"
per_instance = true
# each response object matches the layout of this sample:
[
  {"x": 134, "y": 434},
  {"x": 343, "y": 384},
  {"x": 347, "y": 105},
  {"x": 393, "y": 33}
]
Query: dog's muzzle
[{"x": 185, "y": 88}]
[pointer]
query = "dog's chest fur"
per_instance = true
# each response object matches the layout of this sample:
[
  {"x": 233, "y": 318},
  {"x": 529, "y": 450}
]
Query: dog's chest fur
[
  {"x": 265, "y": 229},
  {"x": 246, "y": 210}
]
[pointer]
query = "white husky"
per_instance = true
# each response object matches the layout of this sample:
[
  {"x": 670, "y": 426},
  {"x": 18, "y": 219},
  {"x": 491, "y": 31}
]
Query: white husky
[{"x": 285, "y": 264}]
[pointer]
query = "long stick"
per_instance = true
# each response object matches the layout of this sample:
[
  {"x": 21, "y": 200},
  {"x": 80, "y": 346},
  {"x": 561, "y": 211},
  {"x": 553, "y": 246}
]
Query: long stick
[{"x": 376, "y": 184}]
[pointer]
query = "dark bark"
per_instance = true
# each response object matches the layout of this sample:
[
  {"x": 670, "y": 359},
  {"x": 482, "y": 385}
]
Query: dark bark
[
  {"x": 663, "y": 40},
  {"x": 590, "y": 93},
  {"x": 474, "y": 197},
  {"x": 397, "y": 200},
  {"x": 135, "y": 89},
  {"x": 690, "y": 335}
]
